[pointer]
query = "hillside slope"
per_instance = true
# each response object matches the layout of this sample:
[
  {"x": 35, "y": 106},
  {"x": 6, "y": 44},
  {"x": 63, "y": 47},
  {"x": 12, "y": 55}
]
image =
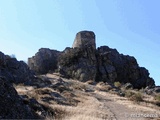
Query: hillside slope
[{"x": 74, "y": 100}]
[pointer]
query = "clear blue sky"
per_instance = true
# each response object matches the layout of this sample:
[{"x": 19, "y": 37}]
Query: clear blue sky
[{"x": 130, "y": 26}]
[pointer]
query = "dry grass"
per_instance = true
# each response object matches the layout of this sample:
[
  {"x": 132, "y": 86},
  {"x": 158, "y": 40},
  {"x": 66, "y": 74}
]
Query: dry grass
[
  {"x": 134, "y": 96},
  {"x": 85, "y": 110},
  {"x": 137, "y": 97},
  {"x": 90, "y": 82},
  {"x": 128, "y": 93},
  {"x": 103, "y": 87},
  {"x": 157, "y": 97},
  {"x": 77, "y": 103},
  {"x": 59, "y": 112},
  {"x": 77, "y": 85}
]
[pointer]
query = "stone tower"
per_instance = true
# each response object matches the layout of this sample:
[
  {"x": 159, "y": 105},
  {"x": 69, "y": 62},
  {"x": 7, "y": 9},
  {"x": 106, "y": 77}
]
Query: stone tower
[{"x": 84, "y": 39}]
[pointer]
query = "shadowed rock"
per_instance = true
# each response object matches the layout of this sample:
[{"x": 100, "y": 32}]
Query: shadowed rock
[
  {"x": 11, "y": 105},
  {"x": 15, "y": 71},
  {"x": 45, "y": 60}
]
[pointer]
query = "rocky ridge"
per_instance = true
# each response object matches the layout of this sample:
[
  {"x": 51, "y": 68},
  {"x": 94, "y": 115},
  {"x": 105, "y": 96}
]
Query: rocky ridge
[
  {"x": 15, "y": 71},
  {"x": 84, "y": 62}
]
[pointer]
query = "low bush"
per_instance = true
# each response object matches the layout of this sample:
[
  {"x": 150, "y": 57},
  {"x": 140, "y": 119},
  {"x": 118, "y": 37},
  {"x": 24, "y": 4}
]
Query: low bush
[
  {"x": 117, "y": 84},
  {"x": 133, "y": 96},
  {"x": 137, "y": 97},
  {"x": 128, "y": 93}
]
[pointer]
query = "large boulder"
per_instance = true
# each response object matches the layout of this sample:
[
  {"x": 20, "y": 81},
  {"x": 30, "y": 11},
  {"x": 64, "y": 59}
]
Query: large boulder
[
  {"x": 11, "y": 105},
  {"x": 45, "y": 60}
]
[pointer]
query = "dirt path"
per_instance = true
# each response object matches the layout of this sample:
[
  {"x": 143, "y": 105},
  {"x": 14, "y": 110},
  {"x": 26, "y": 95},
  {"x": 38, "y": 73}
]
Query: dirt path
[
  {"x": 118, "y": 108},
  {"x": 123, "y": 109},
  {"x": 120, "y": 111}
]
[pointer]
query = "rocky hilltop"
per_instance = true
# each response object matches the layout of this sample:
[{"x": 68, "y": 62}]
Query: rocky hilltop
[
  {"x": 104, "y": 77},
  {"x": 84, "y": 62}
]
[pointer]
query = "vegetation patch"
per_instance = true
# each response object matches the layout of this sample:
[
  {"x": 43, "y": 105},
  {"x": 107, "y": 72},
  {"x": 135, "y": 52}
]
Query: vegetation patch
[
  {"x": 134, "y": 96},
  {"x": 117, "y": 84}
]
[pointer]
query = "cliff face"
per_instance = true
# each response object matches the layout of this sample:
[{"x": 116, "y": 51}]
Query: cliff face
[
  {"x": 79, "y": 63},
  {"x": 84, "y": 62},
  {"x": 113, "y": 66},
  {"x": 13, "y": 70},
  {"x": 45, "y": 60},
  {"x": 12, "y": 105}
]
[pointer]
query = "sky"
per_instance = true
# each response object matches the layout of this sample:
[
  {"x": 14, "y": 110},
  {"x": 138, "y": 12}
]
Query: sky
[{"x": 130, "y": 26}]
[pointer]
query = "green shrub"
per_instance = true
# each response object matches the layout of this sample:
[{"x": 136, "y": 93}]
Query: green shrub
[{"x": 117, "y": 84}]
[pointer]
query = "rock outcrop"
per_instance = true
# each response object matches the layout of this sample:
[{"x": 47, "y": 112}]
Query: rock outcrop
[
  {"x": 44, "y": 61},
  {"x": 113, "y": 66},
  {"x": 11, "y": 105},
  {"x": 78, "y": 63},
  {"x": 15, "y": 71},
  {"x": 84, "y": 62}
]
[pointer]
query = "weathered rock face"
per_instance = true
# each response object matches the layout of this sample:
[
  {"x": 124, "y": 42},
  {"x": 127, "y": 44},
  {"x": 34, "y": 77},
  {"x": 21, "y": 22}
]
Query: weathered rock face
[
  {"x": 113, "y": 66},
  {"x": 78, "y": 63},
  {"x": 84, "y": 39},
  {"x": 13, "y": 70},
  {"x": 11, "y": 105},
  {"x": 44, "y": 61}
]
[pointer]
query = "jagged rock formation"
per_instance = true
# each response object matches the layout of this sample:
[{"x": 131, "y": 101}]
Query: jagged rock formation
[
  {"x": 113, "y": 66},
  {"x": 11, "y": 105},
  {"x": 78, "y": 63},
  {"x": 44, "y": 61},
  {"x": 84, "y": 62},
  {"x": 13, "y": 70}
]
